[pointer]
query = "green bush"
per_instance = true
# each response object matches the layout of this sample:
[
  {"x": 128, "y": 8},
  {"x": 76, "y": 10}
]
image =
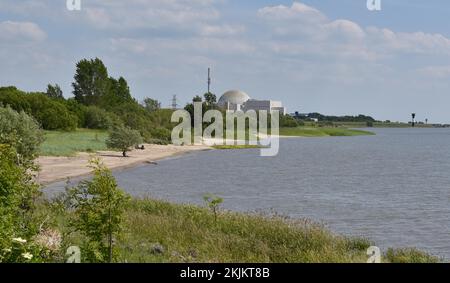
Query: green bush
[
  {"x": 21, "y": 132},
  {"x": 78, "y": 110},
  {"x": 52, "y": 114},
  {"x": 161, "y": 134},
  {"x": 17, "y": 194},
  {"x": 288, "y": 121},
  {"x": 99, "y": 206},
  {"x": 56, "y": 117},
  {"x": 123, "y": 138},
  {"x": 97, "y": 118}
]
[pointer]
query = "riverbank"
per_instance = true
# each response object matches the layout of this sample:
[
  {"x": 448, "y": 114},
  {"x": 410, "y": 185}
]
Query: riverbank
[
  {"x": 57, "y": 168},
  {"x": 161, "y": 232}
]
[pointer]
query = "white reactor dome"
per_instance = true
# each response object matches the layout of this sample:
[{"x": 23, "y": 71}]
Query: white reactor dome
[{"x": 235, "y": 97}]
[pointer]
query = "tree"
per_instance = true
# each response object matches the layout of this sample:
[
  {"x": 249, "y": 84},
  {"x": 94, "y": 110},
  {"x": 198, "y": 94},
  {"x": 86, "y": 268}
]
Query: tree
[
  {"x": 123, "y": 138},
  {"x": 91, "y": 81},
  {"x": 213, "y": 203},
  {"x": 151, "y": 104},
  {"x": 210, "y": 98},
  {"x": 21, "y": 132},
  {"x": 99, "y": 206},
  {"x": 54, "y": 92},
  {"x": 197, "y": 99},
  {"x": 119, "y": 93}
]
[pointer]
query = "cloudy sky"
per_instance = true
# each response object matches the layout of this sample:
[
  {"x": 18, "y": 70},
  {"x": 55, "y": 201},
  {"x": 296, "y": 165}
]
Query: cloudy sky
[{"x": 333, "y": 57}]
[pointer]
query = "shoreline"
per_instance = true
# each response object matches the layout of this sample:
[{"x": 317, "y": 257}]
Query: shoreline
[{"x": 58, "y": 168}]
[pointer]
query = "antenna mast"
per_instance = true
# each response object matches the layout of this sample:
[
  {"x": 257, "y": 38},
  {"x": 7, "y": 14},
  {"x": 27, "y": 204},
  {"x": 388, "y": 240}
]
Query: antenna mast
[{"x": 209, "y": 80}]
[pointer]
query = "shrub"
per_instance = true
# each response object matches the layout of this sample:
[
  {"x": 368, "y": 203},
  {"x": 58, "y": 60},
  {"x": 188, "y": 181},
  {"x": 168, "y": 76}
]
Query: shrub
[
  {"x": 97, "y": 118},
  {"x": 288, "y": 121},
  {"x": 123, "y": 138},
  {"x": 76, "y": 109},
  {"x": 50, "y": 113},
  {"x": 17, "y": 194},
  {"x": 161, "y": 134},
  {"x": 21, "y": 132},
  {"x": 99, "y": 206},
  {"x": 57, "y": 117}
]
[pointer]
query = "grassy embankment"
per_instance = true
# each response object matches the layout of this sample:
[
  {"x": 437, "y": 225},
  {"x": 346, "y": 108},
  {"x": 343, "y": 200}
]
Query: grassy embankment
[
  {"x": 381, "y": 125},
  {"x": 189, "y": 233},
  {"x": 322, "y": 132}
]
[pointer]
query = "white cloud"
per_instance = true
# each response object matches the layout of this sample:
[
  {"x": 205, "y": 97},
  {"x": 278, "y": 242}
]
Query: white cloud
[
  {"x": 298, "y": 11},
  {"x": 222, "y": 30},
  {"x": 155, "y": 14},
  {"x": 18, "y": 31}
]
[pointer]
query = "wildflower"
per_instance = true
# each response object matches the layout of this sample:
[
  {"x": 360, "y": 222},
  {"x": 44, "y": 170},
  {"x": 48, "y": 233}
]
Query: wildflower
[
  {"x": 27, "y": 256},
  {"x": 19, "y": 240},
  {"x": 50, "y": 239},
  {"x": 7, "y": 250}
]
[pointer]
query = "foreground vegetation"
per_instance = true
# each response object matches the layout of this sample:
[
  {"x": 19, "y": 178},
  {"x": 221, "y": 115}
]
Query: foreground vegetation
[
  {"x": 191, "y": 234},
  {"x": 321, "y": 132},
  {"x": 158, "y": 231}
]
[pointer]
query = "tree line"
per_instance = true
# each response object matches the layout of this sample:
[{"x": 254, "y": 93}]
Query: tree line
[{"x": 99, "y": 102}]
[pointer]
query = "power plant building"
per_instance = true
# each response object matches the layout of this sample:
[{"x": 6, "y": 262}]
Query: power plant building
[{"x": 235, "y": 100}]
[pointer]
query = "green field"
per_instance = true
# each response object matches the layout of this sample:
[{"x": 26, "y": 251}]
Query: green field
[
  {"x": 60, "y": 143},
  {"x": 187, "y": 233},
  {"x": 322, "y": 132}
]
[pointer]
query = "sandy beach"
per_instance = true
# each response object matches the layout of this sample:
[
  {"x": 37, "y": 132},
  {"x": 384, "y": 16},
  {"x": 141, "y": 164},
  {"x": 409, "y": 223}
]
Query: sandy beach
[{"x": 60, "y": 168}]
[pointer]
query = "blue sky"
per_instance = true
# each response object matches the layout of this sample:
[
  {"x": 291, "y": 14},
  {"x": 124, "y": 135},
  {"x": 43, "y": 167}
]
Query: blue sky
[{"x": 329, "y": 56}]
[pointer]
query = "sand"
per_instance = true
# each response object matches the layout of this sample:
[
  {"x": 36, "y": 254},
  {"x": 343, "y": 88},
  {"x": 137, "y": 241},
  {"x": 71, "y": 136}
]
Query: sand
[{"x": 60, "y": 168}]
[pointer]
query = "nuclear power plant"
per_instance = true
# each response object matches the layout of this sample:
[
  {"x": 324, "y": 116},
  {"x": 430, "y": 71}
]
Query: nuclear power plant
[{"x": 236, "y": 100}]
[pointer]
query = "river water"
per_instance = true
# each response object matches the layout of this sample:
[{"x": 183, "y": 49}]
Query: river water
[{"x": 393, "y": 188}]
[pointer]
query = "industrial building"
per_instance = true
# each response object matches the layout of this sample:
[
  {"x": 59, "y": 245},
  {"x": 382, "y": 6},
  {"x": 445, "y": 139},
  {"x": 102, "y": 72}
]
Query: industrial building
[{"x": 235, "y": 100}]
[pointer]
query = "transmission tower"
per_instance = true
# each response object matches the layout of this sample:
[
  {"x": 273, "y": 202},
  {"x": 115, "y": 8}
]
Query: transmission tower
[{"x": 174, "y": 102}]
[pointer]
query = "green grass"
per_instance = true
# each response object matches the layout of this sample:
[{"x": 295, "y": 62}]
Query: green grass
[
  {"x": 60, "y": 143},
  {"x": 189, "y": 233},
  {"x": 321, "y": 132}
]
